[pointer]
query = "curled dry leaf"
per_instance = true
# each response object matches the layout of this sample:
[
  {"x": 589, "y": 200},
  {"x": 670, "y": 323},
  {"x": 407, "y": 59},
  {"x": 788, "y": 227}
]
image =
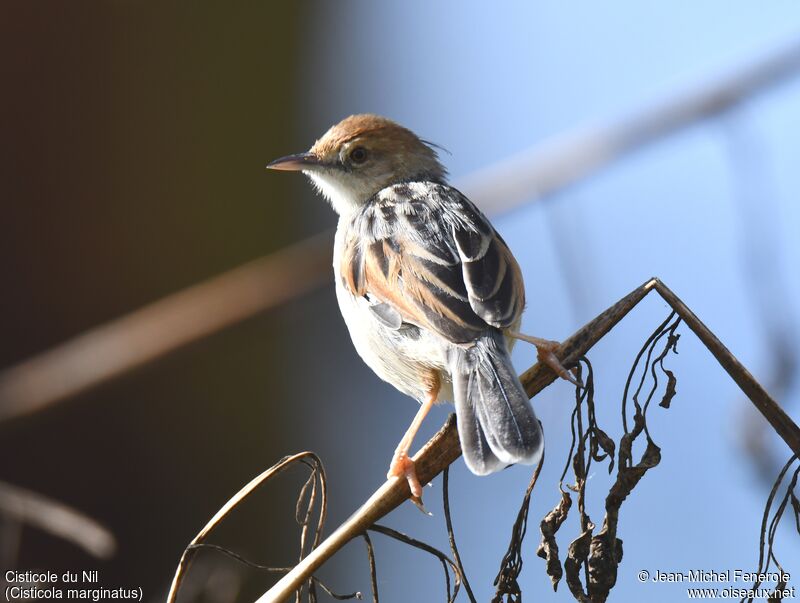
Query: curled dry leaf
[
  {"x": 577, "y": 555},
  {"x": 548, "y": 549},
  {"x": 603, "y": 442},
  {"x": 670, "y": 393}
]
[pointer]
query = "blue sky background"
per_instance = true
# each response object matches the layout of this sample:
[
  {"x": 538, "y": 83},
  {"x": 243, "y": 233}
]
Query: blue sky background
[{"x": 488, "y": 81}]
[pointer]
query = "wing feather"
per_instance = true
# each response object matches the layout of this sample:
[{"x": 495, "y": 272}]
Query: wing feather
[{"x": 427, "y": 252}]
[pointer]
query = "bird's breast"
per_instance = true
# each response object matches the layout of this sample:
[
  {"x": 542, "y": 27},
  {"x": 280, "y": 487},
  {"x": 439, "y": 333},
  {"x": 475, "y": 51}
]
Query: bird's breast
[{"x": 403, "y": 357}]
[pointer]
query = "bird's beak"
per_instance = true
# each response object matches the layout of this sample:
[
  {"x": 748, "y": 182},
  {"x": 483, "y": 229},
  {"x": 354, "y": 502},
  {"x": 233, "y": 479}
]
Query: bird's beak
[{"x": 294, "y": 163}]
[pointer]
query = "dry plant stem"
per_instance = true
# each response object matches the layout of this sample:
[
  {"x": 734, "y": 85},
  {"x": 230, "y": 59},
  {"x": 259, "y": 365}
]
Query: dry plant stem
[
  {"x": 780, "y": 421},
  {"x": 438, "y": 453},
  {"x": 444, "y": 448},
  {"x": 539, "y": 376},
  {"x": 451, "y": 535},
  {"x": 238, "y": 498},
  {"x": 145, "y": 335},
  {"x": 373, "y": 572},
  {"x": 56, "y": 518},
  {"x": 122, "y": 345}
]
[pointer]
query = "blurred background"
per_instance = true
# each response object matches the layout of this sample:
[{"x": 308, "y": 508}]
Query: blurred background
[{"x": 135, "y": 136}]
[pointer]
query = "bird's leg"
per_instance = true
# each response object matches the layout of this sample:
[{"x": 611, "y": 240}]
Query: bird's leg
[
  {"x": 545, "y": 351},
  {"x": 402, "y": 465}
]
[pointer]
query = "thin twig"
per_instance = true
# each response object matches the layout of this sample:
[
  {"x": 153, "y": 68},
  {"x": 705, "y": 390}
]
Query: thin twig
[
  {"x": 117, "y": 347},
  {"x": 373, "y": 572},
  {"x": 423, "y": 546},
  {"x": 270, "y": 569},
  {"x": 56, "y": 518},
  {"x": 767, "y": 535},
  {"x": 308, "y": 458},
  {"x": 147, "y": 334},
  {"x": 444, "y": 448},
  {"x": 604, "y": 552},
  {"x": 777, "y": 417},
  {"x": 451, "y": 534},
  {"x": 437, "y": 454},
  {"x": 511, "y": 563}
]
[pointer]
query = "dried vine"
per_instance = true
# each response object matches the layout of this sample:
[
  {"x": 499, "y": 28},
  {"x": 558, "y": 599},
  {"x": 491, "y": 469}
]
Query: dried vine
[{"x": 592, "y": 559}]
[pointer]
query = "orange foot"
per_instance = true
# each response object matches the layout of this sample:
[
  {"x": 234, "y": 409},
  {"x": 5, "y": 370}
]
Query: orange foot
[
  {"x": 403, "y": 466},
  {"x": 546, "y": 352}
]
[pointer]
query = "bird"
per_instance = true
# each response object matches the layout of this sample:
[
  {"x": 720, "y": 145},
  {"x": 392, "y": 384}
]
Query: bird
[{"x": 431, "y": 294}]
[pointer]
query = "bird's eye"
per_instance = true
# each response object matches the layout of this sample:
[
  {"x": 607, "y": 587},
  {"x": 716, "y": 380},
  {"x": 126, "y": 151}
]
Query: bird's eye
[{"x": 358, "y": 155}]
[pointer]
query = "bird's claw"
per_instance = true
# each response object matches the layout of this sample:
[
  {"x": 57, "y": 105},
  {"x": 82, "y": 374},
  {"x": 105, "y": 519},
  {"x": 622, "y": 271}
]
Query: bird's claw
[
  {"x": 545, "y": 352},
  {"x": 403, "y": 466},
  {"x": 418, "y": 503}
]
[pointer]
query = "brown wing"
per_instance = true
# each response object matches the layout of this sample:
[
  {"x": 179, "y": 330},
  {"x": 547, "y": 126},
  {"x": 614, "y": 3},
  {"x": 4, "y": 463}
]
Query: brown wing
[{"x": 425, "y": 251}]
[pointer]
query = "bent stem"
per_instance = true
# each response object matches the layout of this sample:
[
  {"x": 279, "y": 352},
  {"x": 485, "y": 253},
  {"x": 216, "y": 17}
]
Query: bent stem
[{"x": 444, "y": 448}]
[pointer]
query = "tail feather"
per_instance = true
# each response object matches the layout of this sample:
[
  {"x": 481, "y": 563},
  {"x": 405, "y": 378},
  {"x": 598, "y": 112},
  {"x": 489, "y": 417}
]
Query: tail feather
[
  {"x": 478, "y": 454},
  {"x": 496, "y": 422}
]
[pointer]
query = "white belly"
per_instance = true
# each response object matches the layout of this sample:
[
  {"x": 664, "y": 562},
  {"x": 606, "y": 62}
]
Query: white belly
[{"x": 395, "y": 358}]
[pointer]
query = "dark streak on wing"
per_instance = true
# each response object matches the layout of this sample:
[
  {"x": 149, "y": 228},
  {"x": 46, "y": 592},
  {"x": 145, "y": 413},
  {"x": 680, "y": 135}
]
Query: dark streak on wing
[
  {"x": 495, "y": 285},
  {"x": 426, "y": 252},
  {"x": 376, "y": 251}
]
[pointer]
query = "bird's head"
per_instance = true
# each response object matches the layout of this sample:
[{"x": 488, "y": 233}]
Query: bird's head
[{"x": 361, "y": 155}]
